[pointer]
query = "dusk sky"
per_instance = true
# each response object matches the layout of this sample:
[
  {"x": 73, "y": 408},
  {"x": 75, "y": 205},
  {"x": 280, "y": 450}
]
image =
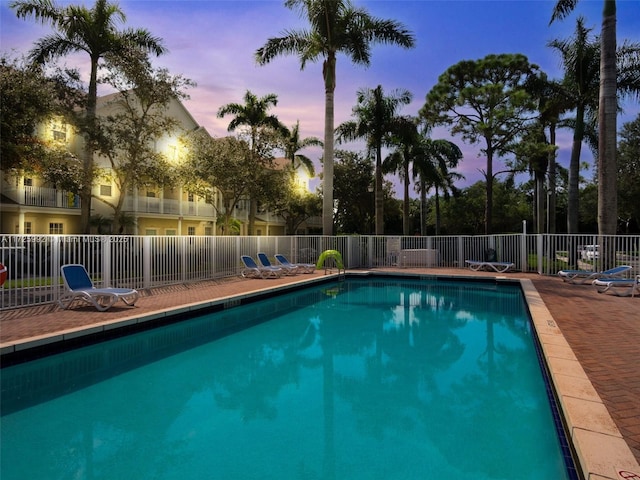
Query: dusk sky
[{"x": 213, "y": 43}]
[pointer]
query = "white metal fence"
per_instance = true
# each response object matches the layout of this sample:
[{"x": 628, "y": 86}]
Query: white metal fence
[{"x": 34, "y": 261}]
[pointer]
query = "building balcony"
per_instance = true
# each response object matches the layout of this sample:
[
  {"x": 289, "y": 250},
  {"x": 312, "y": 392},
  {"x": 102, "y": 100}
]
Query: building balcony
[
  {"x": 154, "y": 205},
  {"x": 42, "y": 197}
]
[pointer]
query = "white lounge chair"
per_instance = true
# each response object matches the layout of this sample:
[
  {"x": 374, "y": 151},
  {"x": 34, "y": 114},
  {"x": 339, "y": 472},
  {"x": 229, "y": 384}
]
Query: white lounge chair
[
  {"x": 253, "y": 270},
  {"x": 499, "y": 267},
  {"x": 78, "y": 286},
  {"x": 580, "y": 277},
  {"x": 622, "y": 287},
  {"x": 303, "y": 267},
  {"x": 288, "y": 269}
]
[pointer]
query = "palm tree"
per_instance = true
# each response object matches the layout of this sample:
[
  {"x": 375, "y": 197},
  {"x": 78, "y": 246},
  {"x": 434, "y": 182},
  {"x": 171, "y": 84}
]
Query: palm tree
[
  {"x": 254, "y": 115},
  {"x": 583, "y": 61},
  {"x": 607, "y": 111},
  {"x": 335, "y": 26},
  {"x": 533, "y": 151},
  {"x": 431, "y": 164},
  {"x": 444, "y": 183},
  {"x": 94, "y": 31},
  {"x": 376, "y": 121},
  {"x": 407, "y": 141},
  {"x": 607, "y": 190},
  {"x": 293, "y": 144},
  {"x": 580, "y": 59},
  {"x": 553, "y": 103}
]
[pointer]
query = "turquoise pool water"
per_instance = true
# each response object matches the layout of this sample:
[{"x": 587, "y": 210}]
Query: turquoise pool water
[{"x": 362, "y": 379}]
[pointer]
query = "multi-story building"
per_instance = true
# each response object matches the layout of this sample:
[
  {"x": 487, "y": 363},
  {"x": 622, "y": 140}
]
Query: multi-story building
[{"x": 29, "y": 205}]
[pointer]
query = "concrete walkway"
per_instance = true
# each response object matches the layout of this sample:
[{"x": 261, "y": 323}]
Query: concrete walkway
[{"x": 602, "y": 330}]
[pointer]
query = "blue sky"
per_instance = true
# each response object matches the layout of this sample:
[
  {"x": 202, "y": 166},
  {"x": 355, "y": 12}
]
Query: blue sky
[{"x": 212, "y": 42}]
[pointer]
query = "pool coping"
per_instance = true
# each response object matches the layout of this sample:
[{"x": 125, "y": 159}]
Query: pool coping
[
  {"x": 225, "y": 301},
  {"x": 601, "y": 451},
  {"x": 598, "y": 446}
]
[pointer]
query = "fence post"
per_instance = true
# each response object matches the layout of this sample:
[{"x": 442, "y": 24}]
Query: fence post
[
  {"x": 211, "y": 243},
  {"x": 183, "y": 258},
  {"x": 55, "y": 266},
  {"x": 370, "y": 241},
  {"x": 238, "y": 252},
  {"x": 146, "y": 261},
  {"x": 523, "y": 255},
  {"x": 106, "y": 260},
  {"x": 540, "y": 252}
]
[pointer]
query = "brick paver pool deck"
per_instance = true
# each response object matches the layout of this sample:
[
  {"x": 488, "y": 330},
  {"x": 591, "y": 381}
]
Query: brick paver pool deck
[{"x": 602, "y": 330}]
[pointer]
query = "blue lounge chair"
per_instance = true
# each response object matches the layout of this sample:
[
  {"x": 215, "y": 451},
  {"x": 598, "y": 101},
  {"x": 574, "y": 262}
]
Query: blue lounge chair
[
  {"x": 499, "y": 267},
  {"x": 288, "y": 269},
  {"x": 622, "y": 287},
  {"x": 580, "y": 277},
  {"x": 303, "y": 267},
  {"x": 253, "y": 270},
  {"x": 78, "y": 286}
]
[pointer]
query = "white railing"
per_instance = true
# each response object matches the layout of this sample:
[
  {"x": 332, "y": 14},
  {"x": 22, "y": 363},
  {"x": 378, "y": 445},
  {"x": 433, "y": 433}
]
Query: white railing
[
  {"x": 34, "y": 261},
  {"x": 49, "y": 197},
  {"x": 167, "y": 206}
]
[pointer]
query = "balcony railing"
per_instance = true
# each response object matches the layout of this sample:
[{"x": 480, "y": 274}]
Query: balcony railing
[
  {"x": 34, "y": 261},
  {"x": 44, "y": 197},
  {"x": 143, "y": 204}
]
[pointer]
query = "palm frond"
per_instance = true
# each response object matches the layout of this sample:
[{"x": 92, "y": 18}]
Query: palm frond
[
  {"x": 52, "y": 46},
  {"x": 43, "y": 11},
  {"x": 292, "y": 42},
  {"x": 390, "y": 32},
  {"x": 306, "y": 162},
  {"x": 562, "y": 9},
  {"x": 142, "y": 38}
]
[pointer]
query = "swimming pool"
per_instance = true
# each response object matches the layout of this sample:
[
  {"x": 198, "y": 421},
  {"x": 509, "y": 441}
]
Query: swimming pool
[{"x": 367, "y": 378}]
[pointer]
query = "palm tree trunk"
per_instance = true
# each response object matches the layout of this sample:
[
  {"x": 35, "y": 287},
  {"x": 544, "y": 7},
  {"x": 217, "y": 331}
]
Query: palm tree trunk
[
  {"x": 540, "y": 201},
  {"x": 437, "y": 199},
  {"x": 574, "y": 172},
  {"x": 423, "y": 206},
  {"x": 379, "y": 196},
  {"x": 329, "y": 73},
  {"x": 253, "y": 202},
  {"x": 405, "y": 203},
  {"x": 87, "y": 161},
  {"x": 607, "y": 168},
  {"x": 551, "y": 204}
]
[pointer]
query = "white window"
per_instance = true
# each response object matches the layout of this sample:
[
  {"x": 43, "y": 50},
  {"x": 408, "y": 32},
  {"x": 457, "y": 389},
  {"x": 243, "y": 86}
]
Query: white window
[
  {"x": 150, "y": 231},
  {"x": 59, "y": 131},
  {"x": 208, "y": 231},
  {"x": 170, "y": 231},
  {"x": 172, "y": 153},
  {"x": 56, "y": 228},
  {"x": 105, "y": 190},
  {"x": 191, "y": 230},
  {"x": 28, "y": 228}
]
